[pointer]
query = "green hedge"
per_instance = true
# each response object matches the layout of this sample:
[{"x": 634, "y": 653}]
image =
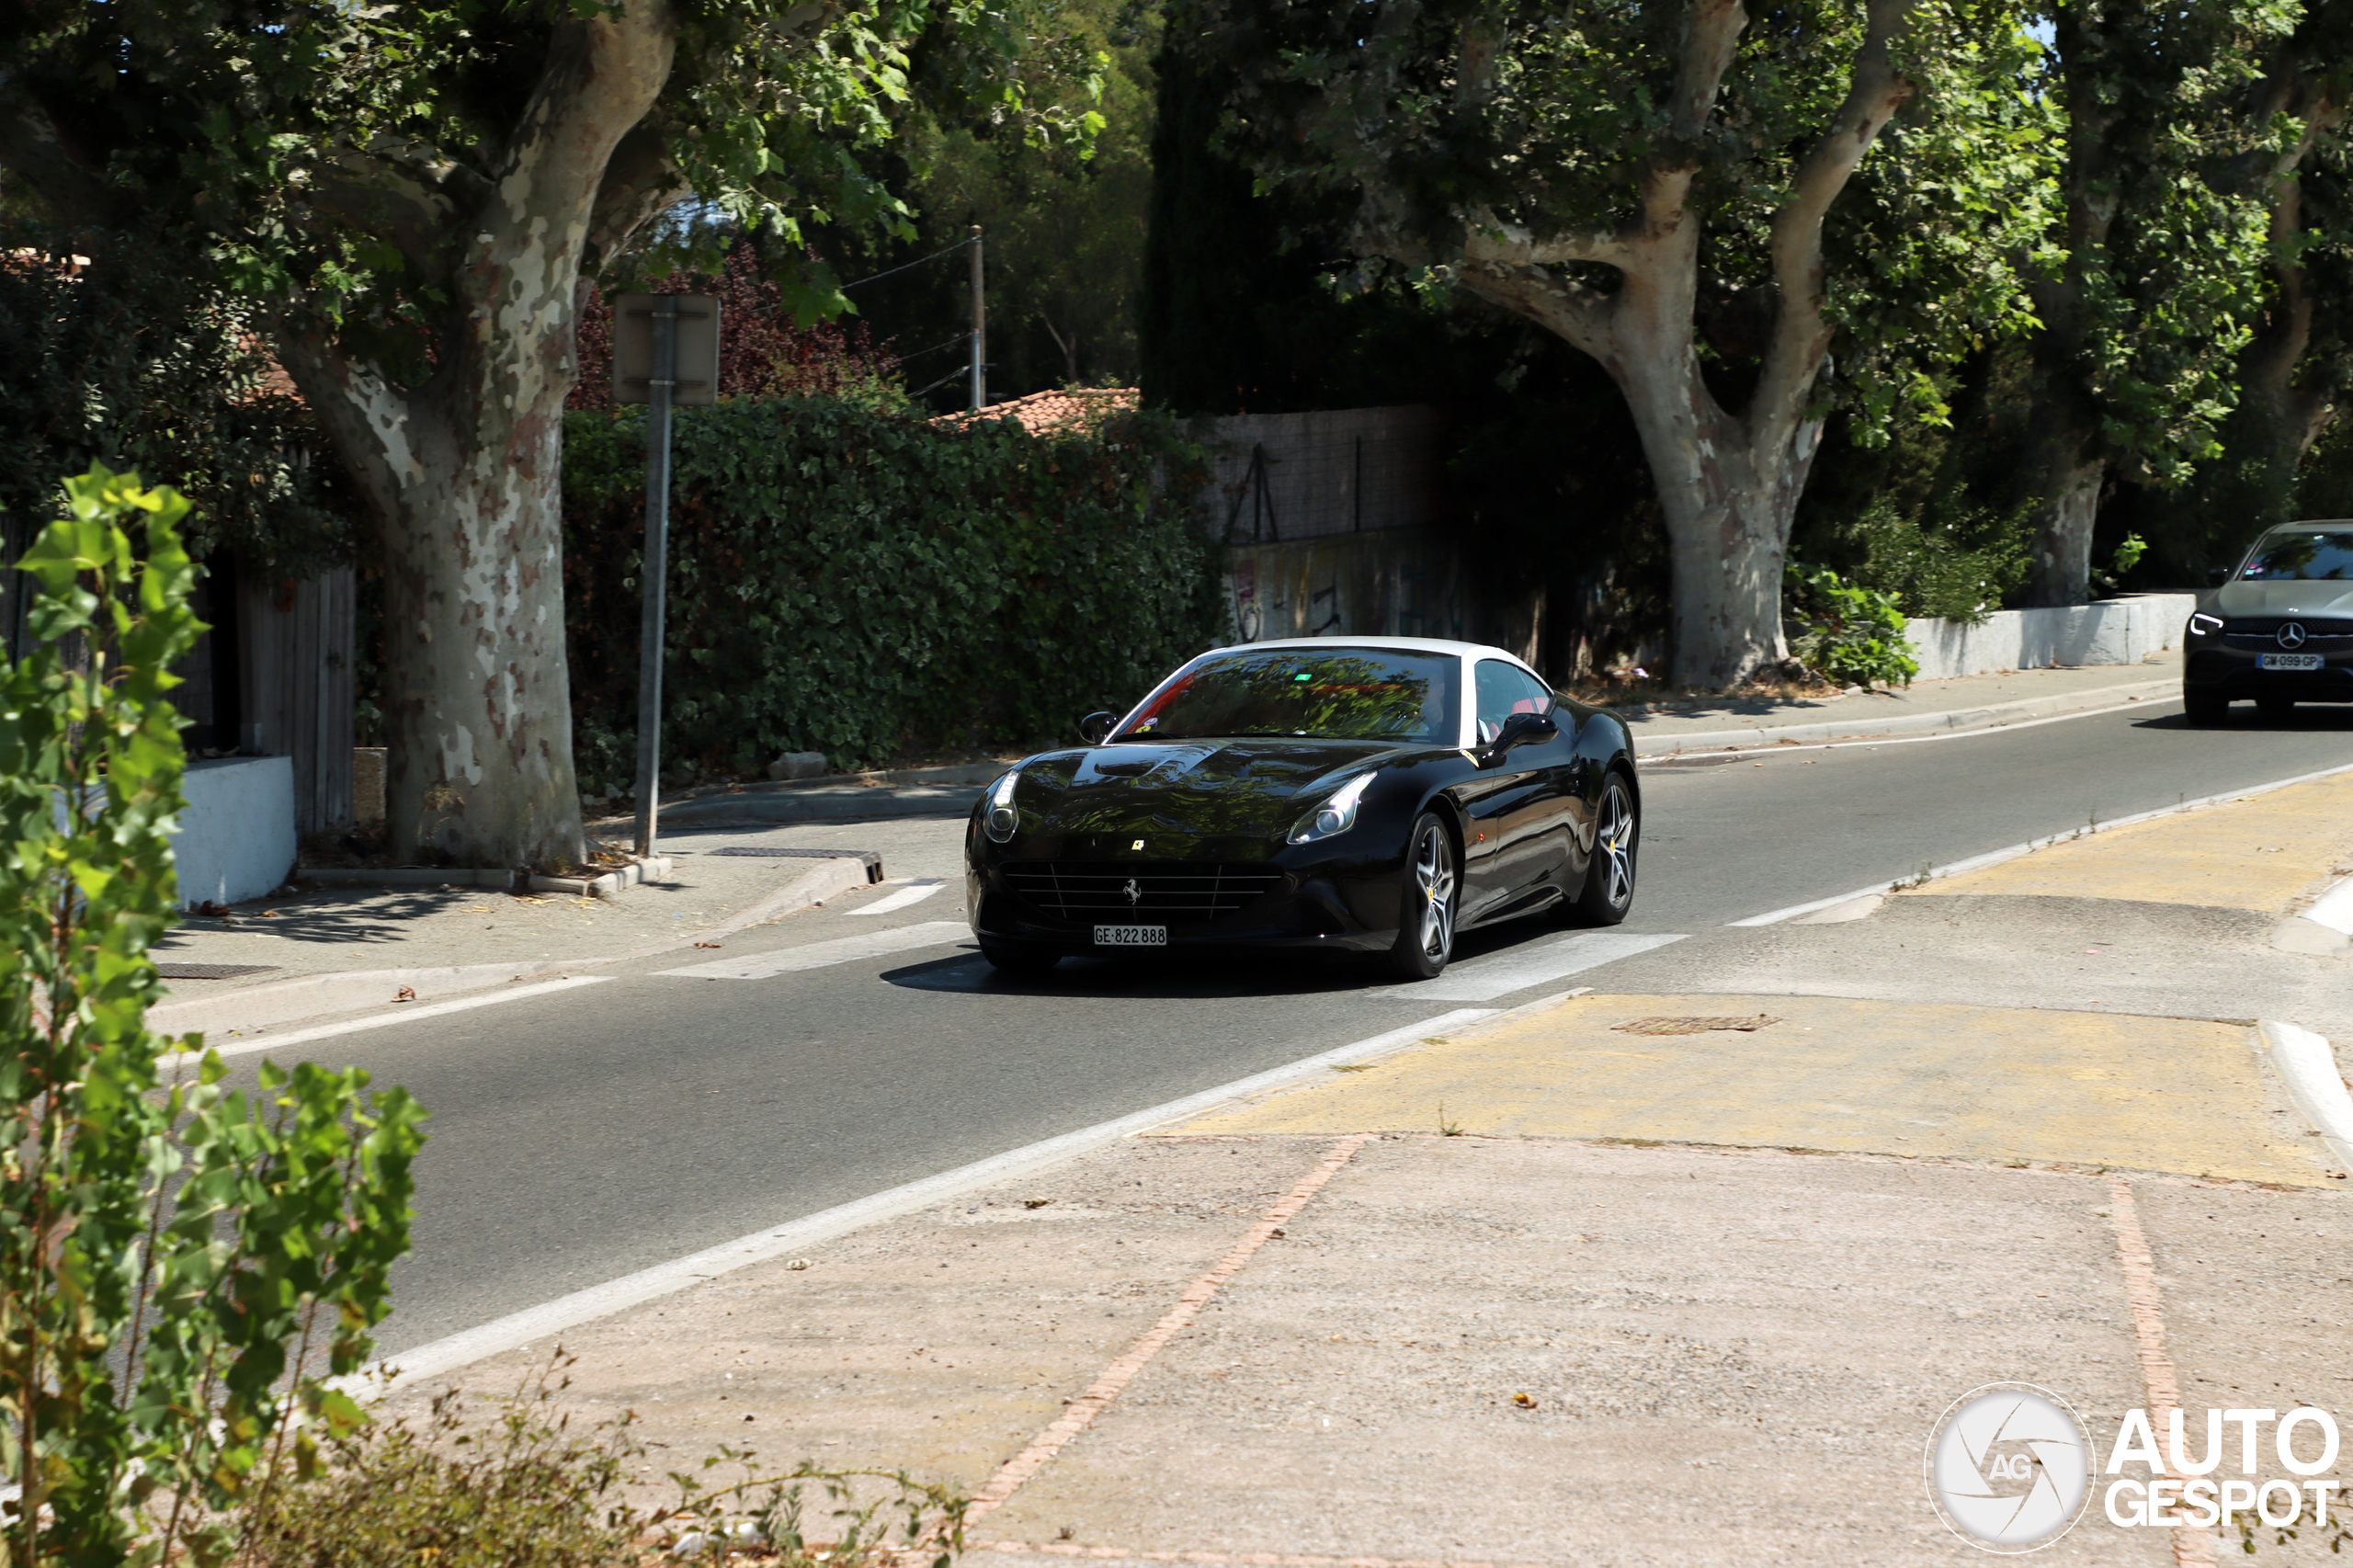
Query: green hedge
[{"x": 859, "y": 582}]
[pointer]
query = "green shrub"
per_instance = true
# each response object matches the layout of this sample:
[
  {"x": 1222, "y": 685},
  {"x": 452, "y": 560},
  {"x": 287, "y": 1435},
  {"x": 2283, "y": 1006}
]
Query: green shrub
[
  {"x": 1845, "y": 632},
  {"x": 860, "y": 582},
  {"x": 174, "y": 1258},
  {"x": 1961, "y": 568}
]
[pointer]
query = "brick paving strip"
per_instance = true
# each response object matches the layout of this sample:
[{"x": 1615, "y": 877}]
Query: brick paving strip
[
  {"x": 2191, "y": 1547},
  {"x": 1081, "y": 1415}
]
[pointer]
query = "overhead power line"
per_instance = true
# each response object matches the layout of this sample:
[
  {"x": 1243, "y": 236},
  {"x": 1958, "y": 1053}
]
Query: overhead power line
[{"x": 878, "y": 277}]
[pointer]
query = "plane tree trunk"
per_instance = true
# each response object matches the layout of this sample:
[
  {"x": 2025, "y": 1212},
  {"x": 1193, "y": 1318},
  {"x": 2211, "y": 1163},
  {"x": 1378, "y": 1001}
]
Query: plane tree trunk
[
  {"x": 462, "y": 470},
  {"x": 1728, "y": 483}
]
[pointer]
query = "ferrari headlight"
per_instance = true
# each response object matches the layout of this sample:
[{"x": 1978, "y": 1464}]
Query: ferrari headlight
[
  {"x": 2204, "y": 625},
  {"x": 1001, "y": 820},
  {"x": 1336, "y": 815}
]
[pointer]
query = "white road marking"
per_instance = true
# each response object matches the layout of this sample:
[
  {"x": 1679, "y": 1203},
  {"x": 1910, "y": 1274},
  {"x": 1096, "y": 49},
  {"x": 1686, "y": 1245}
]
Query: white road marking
[
  {"x": 245, "y": 1046},
  {"x": 913, "y": 892},
  {"x": 1500, "y": 975},
  {"x": 552, "y": 1318},
  {"x": 824, "y": 955},
  {"x": 1996, "y": 856}
]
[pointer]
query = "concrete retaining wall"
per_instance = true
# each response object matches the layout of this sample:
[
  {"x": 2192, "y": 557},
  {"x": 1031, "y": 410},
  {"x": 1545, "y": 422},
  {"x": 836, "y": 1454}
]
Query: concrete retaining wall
[
  {"x": 237, "y": 837},
  {"x": 2113, "y": 632}
]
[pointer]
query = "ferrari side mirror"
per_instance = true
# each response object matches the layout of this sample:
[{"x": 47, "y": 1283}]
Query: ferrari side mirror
[
  {"x": 1094, "y": 726},
  {"x": 1521, "y": 728}
]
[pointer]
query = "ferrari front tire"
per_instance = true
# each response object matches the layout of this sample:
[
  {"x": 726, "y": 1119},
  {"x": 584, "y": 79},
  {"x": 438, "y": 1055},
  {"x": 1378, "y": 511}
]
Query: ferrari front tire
[
  {"x": 1428, "y": 899},
  {"x": 1022, "y": 962}
]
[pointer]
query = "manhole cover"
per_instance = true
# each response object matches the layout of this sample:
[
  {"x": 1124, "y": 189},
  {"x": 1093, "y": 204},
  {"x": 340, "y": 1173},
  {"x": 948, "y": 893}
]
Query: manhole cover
[
  {"x": 1692, "y": 1025},
  {"x": 212, "y": 970}
]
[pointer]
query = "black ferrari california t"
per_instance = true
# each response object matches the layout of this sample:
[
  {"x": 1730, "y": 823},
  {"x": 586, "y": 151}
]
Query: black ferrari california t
[{"x": 1370, "y": 794}]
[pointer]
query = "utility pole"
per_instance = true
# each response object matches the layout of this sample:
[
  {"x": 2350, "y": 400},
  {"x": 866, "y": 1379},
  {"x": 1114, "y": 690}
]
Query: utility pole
[
  {"x": 648, "y": 355},
  {"x": 980, "y": 328}
]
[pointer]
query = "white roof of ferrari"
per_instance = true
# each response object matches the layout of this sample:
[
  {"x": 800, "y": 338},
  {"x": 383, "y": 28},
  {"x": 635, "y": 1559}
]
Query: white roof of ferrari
[{"x": 1411, "y": 644}]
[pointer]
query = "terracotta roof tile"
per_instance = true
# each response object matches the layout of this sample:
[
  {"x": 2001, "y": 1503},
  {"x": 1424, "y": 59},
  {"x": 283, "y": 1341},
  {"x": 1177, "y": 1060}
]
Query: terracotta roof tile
[{"x": 1045, "y": 412}]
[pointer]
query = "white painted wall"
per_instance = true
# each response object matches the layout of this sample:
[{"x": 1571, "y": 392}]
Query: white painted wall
[
  {"x": 235, "y": 840},
  {"x": 2113, "y": 632}
]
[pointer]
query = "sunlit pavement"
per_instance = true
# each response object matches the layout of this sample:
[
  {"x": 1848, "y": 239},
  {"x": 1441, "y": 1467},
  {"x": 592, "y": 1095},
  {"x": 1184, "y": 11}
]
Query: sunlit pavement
[{"x": 1557, "y": 1290}]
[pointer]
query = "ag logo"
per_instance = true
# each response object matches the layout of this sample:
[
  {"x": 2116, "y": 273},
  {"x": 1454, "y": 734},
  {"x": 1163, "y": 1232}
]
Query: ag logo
[{"x": 2009, "y": 1467}]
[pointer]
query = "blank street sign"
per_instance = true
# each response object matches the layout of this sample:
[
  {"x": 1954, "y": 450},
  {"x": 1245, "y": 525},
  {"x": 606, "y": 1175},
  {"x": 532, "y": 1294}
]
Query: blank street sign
[{"x": 698, "y": 373}]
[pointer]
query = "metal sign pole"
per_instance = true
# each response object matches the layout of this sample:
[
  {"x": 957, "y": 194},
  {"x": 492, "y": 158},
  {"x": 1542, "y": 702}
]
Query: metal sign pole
[
  {"x": 980, "y": 328},
  {"x": 655, "y": 574}
]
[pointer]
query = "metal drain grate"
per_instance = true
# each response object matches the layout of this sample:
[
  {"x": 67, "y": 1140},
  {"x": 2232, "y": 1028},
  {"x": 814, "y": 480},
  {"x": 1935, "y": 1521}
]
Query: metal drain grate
[
  {"x": 872, "y": 857},
  {"x": 213, "y": 971},
  {"x": 1692, "y": 1025}
]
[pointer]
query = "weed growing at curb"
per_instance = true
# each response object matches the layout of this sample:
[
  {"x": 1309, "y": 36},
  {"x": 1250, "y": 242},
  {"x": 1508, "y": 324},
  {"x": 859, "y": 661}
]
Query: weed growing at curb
[{"x": 525, "y": 1490}]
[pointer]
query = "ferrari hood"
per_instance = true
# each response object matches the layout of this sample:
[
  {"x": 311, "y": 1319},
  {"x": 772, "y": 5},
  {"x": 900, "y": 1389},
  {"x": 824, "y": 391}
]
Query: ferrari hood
[
  {"x": 2284, "y": 598},
  {"x": 1195, "y": 789}
]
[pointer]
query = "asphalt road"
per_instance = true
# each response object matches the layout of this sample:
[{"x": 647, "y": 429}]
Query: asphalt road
[{"x": 581, "y": 1136}]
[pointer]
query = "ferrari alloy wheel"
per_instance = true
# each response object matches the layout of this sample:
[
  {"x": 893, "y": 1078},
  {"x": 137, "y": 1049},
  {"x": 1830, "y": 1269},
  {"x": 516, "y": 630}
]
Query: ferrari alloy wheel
[
  {"x": 1608, "y": 893},
  {"x": 1431, "y": 894}
]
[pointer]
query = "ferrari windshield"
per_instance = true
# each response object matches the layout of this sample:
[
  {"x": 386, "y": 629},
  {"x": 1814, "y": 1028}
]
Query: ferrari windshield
[
  {"x": 2301, "y": 555},
  {"x": 1339, "y": 694}
]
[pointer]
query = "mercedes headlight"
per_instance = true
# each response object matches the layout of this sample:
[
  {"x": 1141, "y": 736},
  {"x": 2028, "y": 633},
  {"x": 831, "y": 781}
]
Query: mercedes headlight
[
  {"x": 2204, "y": 625},
  {"x": 1337, "y": 814},
  {"x": 1001, "y": 820}
]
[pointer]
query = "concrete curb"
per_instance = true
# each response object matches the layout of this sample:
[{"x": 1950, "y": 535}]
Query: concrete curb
[
  {"x": 606, "y": 886},
  {"x": 342, "y": 991},
  {"x": 2326, "y": 931},
  {"x": 1994, "y": 714},
  {"x": 636, "y": 874},
  {"x": 2308, "y": 1068},
  {"x": 403, "y": 877}
]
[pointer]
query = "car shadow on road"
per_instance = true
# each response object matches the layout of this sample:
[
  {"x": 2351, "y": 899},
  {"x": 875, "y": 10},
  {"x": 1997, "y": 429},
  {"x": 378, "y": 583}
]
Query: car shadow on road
[
  {"x": 1214, "y": 974},
  {"x": 2311, "y": 718}
]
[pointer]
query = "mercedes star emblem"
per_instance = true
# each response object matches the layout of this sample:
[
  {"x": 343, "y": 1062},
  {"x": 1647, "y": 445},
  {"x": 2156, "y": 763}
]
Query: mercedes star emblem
[
  {"x": 1136, "y": 894},
  {"x": 2292, "y": 634}
]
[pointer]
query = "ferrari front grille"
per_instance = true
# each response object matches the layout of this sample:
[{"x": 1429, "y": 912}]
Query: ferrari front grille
[{"x": 1167, "y": 889}]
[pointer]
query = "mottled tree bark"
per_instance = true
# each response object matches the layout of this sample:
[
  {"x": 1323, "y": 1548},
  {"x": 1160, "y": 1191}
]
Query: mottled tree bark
[{"x": 463, "y": 470}]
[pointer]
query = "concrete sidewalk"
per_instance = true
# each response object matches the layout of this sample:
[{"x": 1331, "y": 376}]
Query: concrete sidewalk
[
  {"x": 1682, "y": 1272},
  {"x": 331, "y": 948},
  {"x": 1923, "y": 708}
]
